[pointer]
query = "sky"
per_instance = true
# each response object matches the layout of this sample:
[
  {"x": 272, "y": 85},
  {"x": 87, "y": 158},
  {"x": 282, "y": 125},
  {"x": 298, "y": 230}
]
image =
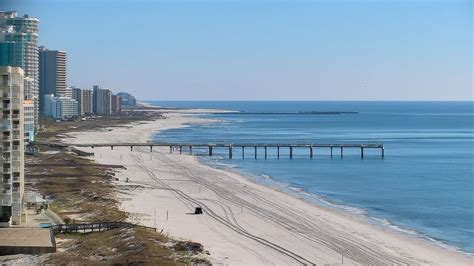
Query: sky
[{"x": 262, "y": 49}]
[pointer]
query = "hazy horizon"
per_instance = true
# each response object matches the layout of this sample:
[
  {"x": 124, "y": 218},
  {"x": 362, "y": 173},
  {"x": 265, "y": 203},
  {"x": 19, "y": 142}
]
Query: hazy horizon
[{"x": 263, "y": 50}]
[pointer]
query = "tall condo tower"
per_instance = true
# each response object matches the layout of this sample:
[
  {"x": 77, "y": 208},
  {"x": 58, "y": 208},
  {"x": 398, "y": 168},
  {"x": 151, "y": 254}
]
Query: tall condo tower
[
  {"x": 53, "y": 73},
  {"x": 19, "y": 48},
  {"x": 12, "y": 149}
]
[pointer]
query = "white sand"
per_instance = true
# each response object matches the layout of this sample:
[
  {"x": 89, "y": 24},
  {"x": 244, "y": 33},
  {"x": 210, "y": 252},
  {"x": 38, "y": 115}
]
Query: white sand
[{"x": 246, "y": 223}]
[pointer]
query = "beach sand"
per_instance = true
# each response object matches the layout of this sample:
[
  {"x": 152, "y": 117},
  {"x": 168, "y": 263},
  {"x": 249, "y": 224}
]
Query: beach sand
[{"x": 245, "y": 223}]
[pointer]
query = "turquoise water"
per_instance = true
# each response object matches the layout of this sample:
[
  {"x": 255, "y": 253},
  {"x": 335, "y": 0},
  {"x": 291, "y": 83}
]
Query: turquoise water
[{"x": 425, "y": 183}]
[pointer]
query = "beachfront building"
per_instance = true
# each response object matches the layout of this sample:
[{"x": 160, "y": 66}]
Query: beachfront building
[
  {"x": 19, "y": 48},
  {"x": 78, "y": 96},
  {"x": 29, "y": 120},
  {"x": 102, "y": 101},
  {"x": 128, "y": 100},
  {"x": 116, "y": 104},
  {"x": 60, "y": 107},
  {"x": 53, "y": 73},
  {"x": 86, "y": 104},
  {"x": 12, "y": 148}
]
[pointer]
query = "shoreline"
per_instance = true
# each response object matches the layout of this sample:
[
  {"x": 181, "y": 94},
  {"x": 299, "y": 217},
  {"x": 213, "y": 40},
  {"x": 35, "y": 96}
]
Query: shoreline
[{"x": 394, "y": 250}]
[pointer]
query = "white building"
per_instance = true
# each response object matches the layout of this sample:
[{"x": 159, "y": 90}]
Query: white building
[
  {"x": 60, "y": 107},
  {"x": 12, "y": 149},
  {"x": 29, "y": 120}
]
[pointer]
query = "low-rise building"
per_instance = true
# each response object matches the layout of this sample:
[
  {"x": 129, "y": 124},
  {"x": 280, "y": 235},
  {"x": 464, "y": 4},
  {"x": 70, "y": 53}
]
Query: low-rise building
[
  {"x": 127, "y": 99},
  {"x": 60, "y": 107}
]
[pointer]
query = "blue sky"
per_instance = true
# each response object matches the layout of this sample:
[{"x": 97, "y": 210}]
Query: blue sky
[{"x": 263, "y": 50}]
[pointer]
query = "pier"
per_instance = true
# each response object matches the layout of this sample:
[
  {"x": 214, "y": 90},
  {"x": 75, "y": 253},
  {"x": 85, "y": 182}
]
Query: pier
[{"x": 210, "y": 147}]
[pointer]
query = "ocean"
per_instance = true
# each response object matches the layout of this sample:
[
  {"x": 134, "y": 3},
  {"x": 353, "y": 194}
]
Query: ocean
[{"x": 424, "y": 186}]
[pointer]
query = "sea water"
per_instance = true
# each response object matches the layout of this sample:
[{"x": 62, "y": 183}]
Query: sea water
[{"x": 424, "y": 185}]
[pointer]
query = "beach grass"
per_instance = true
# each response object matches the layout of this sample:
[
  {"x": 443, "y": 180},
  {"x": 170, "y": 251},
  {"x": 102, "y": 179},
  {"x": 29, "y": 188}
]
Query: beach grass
[{"x": 82, "y": 191}]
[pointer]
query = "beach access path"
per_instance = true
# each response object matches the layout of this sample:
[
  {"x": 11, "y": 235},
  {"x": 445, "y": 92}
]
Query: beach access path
[{"x": 244, "y": 223}]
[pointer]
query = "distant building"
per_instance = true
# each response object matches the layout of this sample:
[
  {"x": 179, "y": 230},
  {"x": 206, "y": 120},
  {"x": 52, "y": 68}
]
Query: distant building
[
  {"x": 29, "y": 120},
  {"x": 60, "y": 107},
  {"x": 76, "y": 94},
  {"x": 67, "y": 93},
  {"x": 12, "y": 160},
  {"x": 102, "y": 101},
  {"x": 86, "y": 104},
  {"x": 116, "y": 104},
  {"x": 53, "y": 73},
  {"x": 127, "y": 99}
]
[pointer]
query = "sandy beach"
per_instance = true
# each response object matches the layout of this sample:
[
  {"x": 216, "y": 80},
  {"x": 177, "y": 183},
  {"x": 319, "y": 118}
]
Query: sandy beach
[{"x": 244, "y": 223}]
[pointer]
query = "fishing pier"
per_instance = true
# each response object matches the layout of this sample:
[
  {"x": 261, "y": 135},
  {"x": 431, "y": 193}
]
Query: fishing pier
[{"x": 335, "y": 149}]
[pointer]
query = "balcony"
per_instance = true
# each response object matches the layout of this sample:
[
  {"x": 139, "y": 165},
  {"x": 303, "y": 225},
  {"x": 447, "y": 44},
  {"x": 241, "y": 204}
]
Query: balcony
[
  {"x": 6, "y": 148},
  {"x": 6, "y": 127},
  {"x": 15, "y": 147},
  {"x": 15, "y": 116},
  {"x": 6, "y": 106},
  {"x": 6, "y": 200},
  {"x": 7, "y": 170}
]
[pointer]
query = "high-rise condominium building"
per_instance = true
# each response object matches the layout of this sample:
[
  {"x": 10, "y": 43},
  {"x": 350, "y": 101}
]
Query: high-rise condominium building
[
  {"x": 116, "y": 104},
  {"x": 12, "y": 148},
  {"x": 78, "y": 96},
  {"x": 102, "y": 101},
  {"x": 53, "y": 73},
  {"x": 87, "y": 102},
  {"x": 19, "y": 48}
]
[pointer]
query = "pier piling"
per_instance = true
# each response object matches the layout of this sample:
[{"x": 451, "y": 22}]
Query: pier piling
[{"x": 230, "y": 146}]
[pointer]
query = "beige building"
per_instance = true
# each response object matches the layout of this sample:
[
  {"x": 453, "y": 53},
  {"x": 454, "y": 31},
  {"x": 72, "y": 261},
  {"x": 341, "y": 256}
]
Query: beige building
[
  {"x": 12, "y": 149},
  {"x": 87, "y": 102}
]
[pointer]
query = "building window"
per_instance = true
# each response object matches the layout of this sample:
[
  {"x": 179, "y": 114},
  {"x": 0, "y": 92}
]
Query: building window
[{"x": 5, "y": 80}]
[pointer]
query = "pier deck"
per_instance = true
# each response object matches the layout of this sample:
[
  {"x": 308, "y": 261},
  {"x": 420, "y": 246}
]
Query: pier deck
[{"x": 231, "y": 146}]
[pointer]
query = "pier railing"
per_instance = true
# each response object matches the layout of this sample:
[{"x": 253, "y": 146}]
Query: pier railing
[{"x": 210, "y": 147}]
